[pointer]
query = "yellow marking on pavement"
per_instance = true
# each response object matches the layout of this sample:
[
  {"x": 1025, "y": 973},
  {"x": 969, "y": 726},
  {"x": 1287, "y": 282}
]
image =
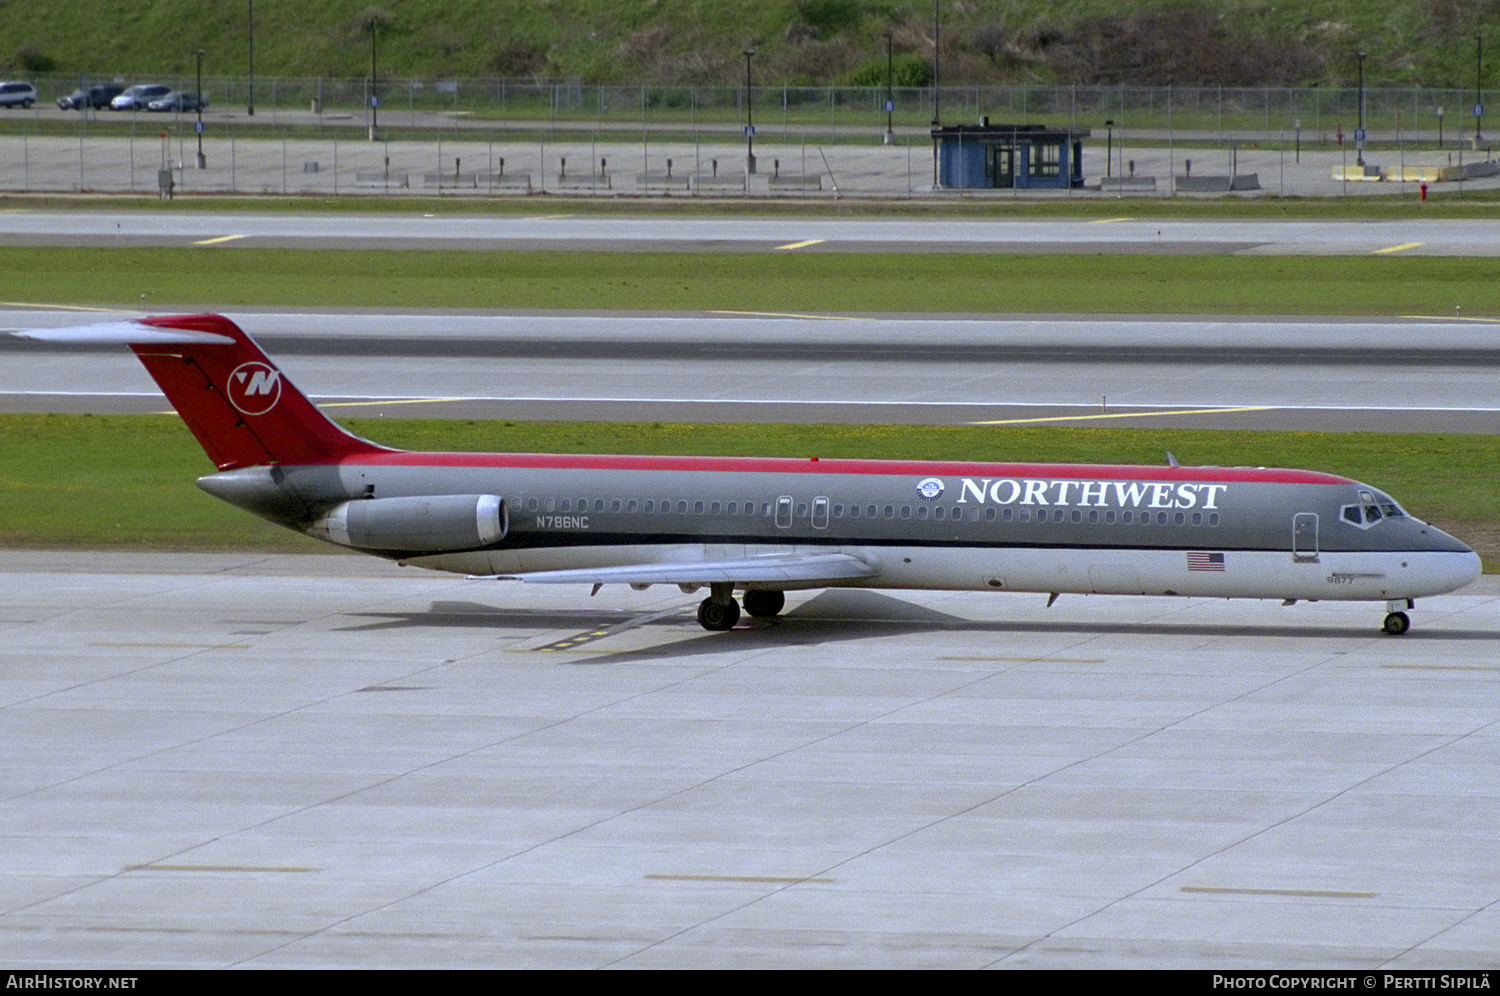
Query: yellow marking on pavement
[
  {"x": 1404, "y": 245},
  {"x": 393, "y": 401},
  {"x": 221, "y": 238},
  {"x": 1107, "y": 221},
  {"x": 60, "y": 307},
  {"x": 1084, "y": 418},
  {"x": 801, "y": 245},
  {"x": 1315, "y": 893},
  {"x": 1451, "y": 318},
  {"x": 574, "y": 641},
  {"x": 786, "y": 314},
  {"x": 771, "y": 879}
]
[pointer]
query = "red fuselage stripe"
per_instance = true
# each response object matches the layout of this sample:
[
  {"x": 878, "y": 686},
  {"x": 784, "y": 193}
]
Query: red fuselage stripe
[{"x": 773, "y": 465}]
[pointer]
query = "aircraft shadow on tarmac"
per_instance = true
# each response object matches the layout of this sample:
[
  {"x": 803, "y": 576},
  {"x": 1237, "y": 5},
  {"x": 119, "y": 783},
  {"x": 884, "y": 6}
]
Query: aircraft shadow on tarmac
[{"x": 835, "y": 615}]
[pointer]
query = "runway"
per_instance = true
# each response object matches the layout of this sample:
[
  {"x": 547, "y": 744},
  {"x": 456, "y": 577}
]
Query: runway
[
  {"x": 1413, "y": 374},
  {"x": 326, "y": 761},
  {"x": 598, "y": 232}
]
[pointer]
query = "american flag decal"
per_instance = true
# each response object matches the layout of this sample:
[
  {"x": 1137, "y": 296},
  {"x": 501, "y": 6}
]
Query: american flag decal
[{"x": 1199, "y": 561}]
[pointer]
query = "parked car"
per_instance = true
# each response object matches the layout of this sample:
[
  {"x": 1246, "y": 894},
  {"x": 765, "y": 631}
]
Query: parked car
[
  {"x": 178, "y": 101},
  {"x": 138, "y": 96},
  {"x": 17, "y": 95},
  {"x": 94, "y": 97}
]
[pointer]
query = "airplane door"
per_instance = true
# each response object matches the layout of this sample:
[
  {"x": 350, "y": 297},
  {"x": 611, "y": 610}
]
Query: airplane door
[
  {"x": 1305, "y": 537},
  {"x": 820, "y": 513},
  {"x": 784, "y": 512}
]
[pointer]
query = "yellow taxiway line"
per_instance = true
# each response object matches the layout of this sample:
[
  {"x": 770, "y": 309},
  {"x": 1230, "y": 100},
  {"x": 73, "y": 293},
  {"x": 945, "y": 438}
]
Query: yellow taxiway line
[{"x": 1083, "y": 418}]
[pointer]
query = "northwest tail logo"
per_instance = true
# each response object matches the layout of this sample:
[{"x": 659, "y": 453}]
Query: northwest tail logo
[{"x": 254, "y": 387}]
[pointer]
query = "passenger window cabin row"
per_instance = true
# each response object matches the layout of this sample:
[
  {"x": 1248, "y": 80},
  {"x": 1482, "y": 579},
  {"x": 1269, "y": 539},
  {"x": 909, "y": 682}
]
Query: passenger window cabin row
[{"x": 820, "y": 511}]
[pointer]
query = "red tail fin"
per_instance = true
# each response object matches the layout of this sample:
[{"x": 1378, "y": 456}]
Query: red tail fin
[{"x": 240, "y": 406}]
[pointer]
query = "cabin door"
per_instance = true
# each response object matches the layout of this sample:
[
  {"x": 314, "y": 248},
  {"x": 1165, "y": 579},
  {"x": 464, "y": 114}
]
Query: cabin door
[{"x": 1305, "y": 537}]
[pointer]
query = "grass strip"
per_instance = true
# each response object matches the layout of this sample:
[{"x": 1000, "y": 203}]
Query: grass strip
[
  {"x": 981, "y": 283},
  {"x": 126, "y": 481}
]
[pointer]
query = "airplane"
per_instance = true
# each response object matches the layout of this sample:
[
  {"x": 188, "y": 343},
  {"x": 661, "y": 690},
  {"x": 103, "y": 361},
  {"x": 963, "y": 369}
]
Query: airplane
[{"x": 765, "y": 526}]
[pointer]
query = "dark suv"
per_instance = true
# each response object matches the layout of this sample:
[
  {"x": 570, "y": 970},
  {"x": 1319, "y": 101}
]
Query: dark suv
[{"x": 96, "y": 97}]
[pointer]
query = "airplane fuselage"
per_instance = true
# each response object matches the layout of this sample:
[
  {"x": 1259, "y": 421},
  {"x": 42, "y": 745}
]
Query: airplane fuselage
[{"x": 1205, "y": 531}]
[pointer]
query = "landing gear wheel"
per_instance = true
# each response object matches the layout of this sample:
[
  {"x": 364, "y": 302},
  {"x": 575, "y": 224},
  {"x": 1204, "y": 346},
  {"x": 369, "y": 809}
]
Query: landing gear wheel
[
  {"x": 764, "y": 604},
  {"x": 718, "y": 616},
  {"x": 1396, "y": 623}
]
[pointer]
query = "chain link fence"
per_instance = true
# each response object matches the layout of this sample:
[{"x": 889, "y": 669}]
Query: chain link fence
[{"x": 355, "y": 135}]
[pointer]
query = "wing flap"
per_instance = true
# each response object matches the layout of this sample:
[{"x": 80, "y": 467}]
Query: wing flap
[{"x": 786, "y": 568}]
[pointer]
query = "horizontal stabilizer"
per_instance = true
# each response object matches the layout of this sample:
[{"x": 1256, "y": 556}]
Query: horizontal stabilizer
[
  {"x": 781, "y": 568},
  {"x": 125, "y": 334}
]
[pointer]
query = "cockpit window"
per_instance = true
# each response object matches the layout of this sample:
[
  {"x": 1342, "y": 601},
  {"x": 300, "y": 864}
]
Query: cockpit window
[{"x": 1372, "y": 509}]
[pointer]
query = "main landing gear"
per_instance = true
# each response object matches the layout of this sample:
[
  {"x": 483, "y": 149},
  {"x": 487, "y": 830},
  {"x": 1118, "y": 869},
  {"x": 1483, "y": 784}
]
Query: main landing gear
[{"x": 720, "y": 611}]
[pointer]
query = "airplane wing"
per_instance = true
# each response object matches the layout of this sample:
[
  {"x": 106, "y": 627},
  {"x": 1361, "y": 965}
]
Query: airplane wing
[{"x": 784, "y": 568}]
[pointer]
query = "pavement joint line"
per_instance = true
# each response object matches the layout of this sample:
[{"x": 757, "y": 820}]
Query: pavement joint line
[
  {"x": 1311, "y": 893},
  {"x": 752, "y": 879}
]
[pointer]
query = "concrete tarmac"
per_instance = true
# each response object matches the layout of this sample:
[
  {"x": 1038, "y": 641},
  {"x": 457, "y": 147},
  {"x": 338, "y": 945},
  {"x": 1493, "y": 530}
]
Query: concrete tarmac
[
  {"x": 789, "y": 232},
  {"x": 327, "y": 761}
]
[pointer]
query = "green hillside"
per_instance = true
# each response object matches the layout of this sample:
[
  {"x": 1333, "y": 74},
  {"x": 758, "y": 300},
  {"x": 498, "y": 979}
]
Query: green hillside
[{"x": 699, "y": 42}]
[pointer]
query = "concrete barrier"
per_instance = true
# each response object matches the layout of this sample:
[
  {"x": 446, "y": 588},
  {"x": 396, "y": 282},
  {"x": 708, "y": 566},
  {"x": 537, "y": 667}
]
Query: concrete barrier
[
  {"x": 374, "y": 178},
  {"x": 1216, "y": 183},
  {"x": 1128, "y": 183},
  {"x": 795, "y": 181},
  {"x": 662, "y": 181}
]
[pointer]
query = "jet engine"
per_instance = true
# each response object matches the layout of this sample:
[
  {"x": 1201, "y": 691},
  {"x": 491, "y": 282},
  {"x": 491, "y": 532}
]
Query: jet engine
[{"x": 427, "y": 524}]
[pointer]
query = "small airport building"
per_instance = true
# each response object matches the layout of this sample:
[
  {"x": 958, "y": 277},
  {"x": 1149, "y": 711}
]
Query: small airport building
[{"x": 1009, "y": 156}]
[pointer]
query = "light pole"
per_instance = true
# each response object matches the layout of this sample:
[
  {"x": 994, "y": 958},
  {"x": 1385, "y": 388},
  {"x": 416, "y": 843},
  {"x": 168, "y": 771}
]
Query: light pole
[
  {"x": 937, "y": 87},
  {"x": 1109, "y": 145},
  {"x": 374, "y": 81},
  {"x": 890, "y": 99},
  {"x": 1478, "y": 101},
  {"x": 202, "y": 162},
  {"x": 1359, "y": 136},
  {"x": 250, "y": 106},
  {"x": 749, "y": 120}
]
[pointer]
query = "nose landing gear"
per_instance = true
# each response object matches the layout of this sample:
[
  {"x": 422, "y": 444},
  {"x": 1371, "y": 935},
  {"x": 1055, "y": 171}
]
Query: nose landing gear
[{"x": 1395, "y": 624}]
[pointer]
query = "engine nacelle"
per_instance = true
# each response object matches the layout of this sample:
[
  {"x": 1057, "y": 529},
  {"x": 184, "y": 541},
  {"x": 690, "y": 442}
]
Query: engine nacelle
[{"x": 428, "y": 524}]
